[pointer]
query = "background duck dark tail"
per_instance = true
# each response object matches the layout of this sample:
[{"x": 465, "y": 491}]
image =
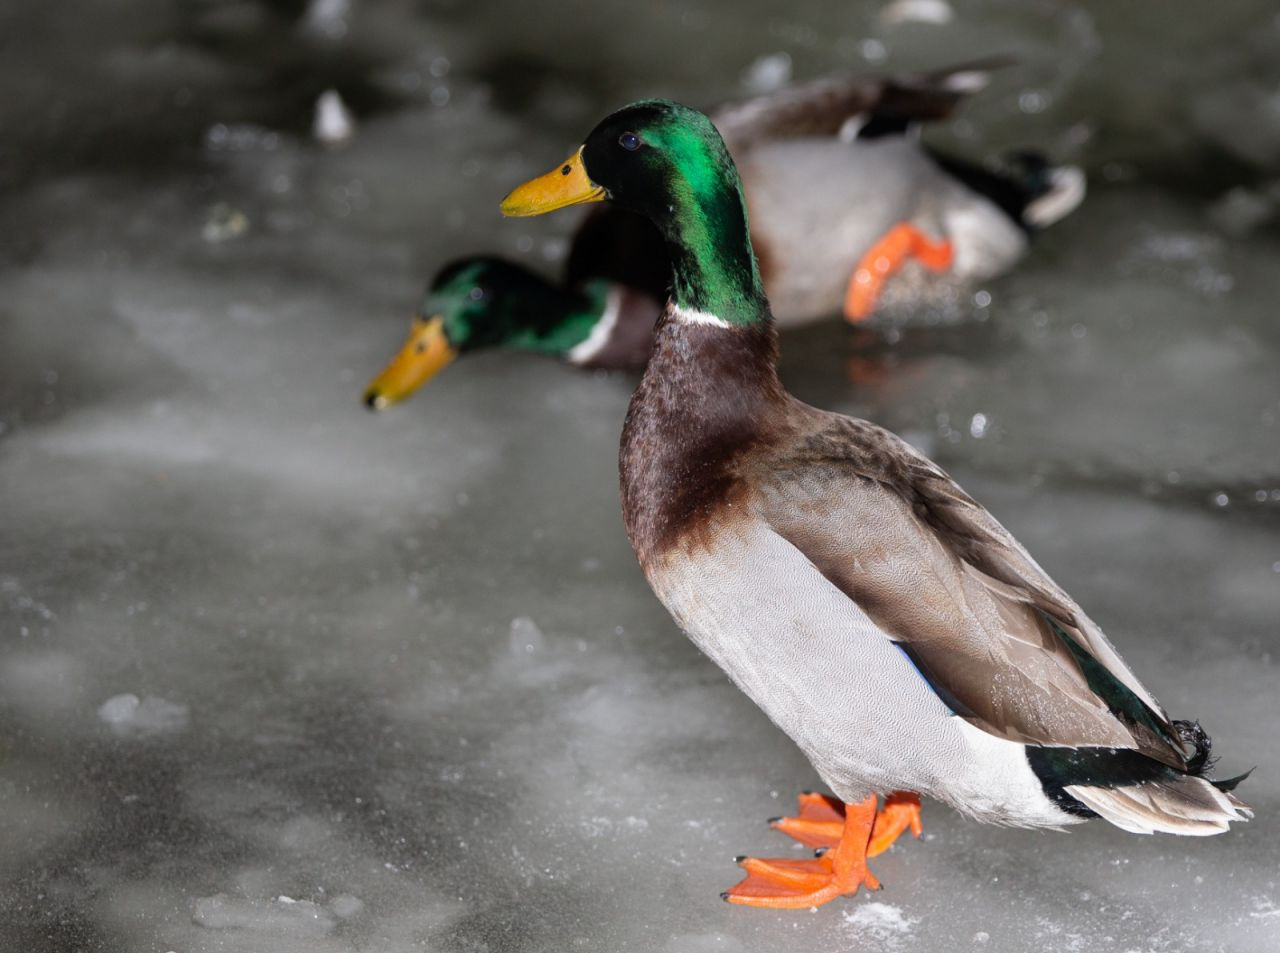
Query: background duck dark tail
[
  {"x": 852, "y": 106},
  {"x": 1027, "y": 186}
]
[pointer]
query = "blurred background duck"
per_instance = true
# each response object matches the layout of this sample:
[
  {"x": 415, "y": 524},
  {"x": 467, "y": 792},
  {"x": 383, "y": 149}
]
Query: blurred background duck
[{"x": 885, "y": 199}]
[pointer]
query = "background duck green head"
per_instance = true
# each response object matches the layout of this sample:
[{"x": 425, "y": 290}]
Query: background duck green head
[
  {"x": 667, "y": 163},
  {"x": 478, "y": 303}
]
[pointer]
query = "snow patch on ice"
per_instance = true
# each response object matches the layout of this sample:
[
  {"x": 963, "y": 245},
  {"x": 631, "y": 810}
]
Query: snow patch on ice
[
  {"x": 882, "y": 922},
  {"x": 345, "y": 906},
  {"x": 130, "y": 716},
  {"x": 283, "y": 915}
]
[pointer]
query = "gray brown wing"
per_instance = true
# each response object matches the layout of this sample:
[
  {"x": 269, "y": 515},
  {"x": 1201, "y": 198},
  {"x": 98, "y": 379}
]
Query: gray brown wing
[
  {"x": 998, "y": 640},
  {"x": 822, "y": 107}
]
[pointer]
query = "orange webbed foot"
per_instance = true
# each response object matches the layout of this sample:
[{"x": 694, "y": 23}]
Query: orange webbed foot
[
  {"x": 818, "y": 821},
  {"x": 901, "y": 811},
  {"x": 886, "y": 256},
  {"x": 795, "y": 884}
]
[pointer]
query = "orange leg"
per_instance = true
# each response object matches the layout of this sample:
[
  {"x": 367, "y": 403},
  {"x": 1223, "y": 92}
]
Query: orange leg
[
  {"x": 886, "y": 256},
  {"x": 795, "y": 884},
  {"x": 819, "y": 821}
]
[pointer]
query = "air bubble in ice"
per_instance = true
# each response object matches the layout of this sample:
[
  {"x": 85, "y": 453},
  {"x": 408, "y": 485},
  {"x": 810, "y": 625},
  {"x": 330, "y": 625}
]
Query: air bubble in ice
[{"x": 526, "y": 637}]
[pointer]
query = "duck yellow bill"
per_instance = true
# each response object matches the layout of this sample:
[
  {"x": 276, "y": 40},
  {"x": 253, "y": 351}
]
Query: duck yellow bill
[
  {"x": 566, "y": 184},
  {"x": 423, "y": 356}
]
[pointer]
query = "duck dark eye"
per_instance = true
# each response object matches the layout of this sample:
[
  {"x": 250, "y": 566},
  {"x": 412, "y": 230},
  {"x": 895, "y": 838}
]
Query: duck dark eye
[
  {"x": 478, "y": 294},
  {"x": 629, "y": 141}
]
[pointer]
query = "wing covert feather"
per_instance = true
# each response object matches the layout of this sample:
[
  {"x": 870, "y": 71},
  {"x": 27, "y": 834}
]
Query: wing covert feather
[{"x": 980, "y": 619}]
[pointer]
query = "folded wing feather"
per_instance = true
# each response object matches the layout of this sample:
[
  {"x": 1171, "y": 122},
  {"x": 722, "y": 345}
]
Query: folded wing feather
[{"x": 980, "y": 619}]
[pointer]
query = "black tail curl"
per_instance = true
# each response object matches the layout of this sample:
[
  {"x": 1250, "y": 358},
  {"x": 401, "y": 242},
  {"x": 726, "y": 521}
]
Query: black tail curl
[{"x": 1191, "y": 734}]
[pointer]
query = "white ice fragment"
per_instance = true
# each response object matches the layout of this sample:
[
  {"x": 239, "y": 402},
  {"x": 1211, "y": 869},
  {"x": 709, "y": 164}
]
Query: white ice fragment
[
  {"x": 118, "y": 709},
  {"x": 526, "y": 637},
  {"x": 327, "y": 18},
  {"x": 768, "y": 73},
  {"x": 333, "y": 123},
  {"x": 978, "y": 425},
  {"x": 224, "y": 223},
  {"x": 936, "y": 12},
  {"x": 345, "y": 906},
  {"x": 282, "y": 916},
  {"x": 129, "y": 716},
  {"x": 241, "y": 137},
  {"x": 872, "y": 50},
  {"x": 1239, "y": 211},
  {"x": 1033, "y": 101}
]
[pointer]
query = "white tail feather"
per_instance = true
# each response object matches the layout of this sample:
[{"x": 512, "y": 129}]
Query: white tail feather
[
  {"x": 1188, "y": 806},
  {"x": 1066, "y": 192}
]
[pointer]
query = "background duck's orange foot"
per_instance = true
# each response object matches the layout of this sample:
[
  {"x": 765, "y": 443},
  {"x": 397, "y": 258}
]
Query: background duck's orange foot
[
  {"x": 796, "y": 884},
  {"x": 901, "y": 811},
  {"x": 886, "y": 256}
]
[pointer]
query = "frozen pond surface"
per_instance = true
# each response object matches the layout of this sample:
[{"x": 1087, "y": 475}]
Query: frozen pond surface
[{"x": 278, "y": 675}]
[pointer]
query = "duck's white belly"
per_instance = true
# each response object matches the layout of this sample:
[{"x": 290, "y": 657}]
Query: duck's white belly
[
  {"x": 827, "y": 676},
  {"x": 818, "y": 205}
]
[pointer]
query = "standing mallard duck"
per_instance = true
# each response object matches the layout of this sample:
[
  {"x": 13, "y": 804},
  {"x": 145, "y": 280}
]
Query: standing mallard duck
[
  {"x": 885, "y": 199},
  {"x": 877, "y": 613}
]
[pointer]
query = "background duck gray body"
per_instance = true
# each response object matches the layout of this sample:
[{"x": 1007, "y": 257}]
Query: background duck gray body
[{"x": 867, "y": 187}]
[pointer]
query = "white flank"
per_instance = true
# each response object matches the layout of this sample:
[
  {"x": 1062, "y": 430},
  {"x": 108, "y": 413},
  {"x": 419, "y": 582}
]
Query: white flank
[
  {"x": 690, "y": 316},
  {"x": 584, "y": 351}
]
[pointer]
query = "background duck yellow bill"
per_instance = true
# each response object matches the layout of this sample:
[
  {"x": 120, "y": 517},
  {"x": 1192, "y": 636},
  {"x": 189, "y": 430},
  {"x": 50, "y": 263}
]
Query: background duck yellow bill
[
  {"x": 566, "y": 184},
  {"x": 424, "y": 354}
]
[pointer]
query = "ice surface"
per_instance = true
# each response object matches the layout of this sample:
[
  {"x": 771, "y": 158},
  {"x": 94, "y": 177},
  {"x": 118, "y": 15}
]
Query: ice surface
[{"x": 395, "y": 683}]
